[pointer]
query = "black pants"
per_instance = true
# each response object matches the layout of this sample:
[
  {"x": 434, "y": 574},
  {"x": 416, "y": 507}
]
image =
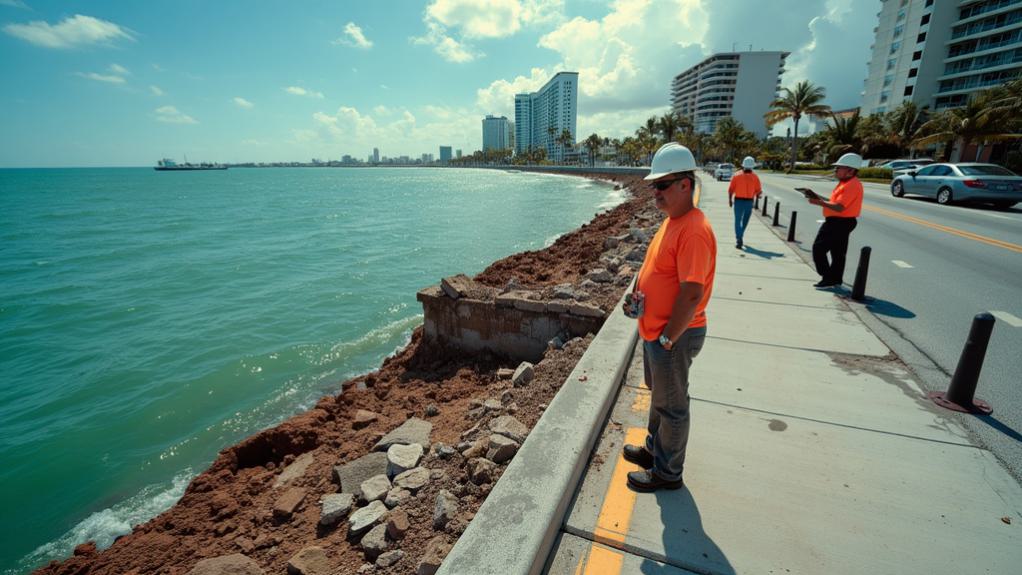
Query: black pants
[{"x": 832, "y": 239}]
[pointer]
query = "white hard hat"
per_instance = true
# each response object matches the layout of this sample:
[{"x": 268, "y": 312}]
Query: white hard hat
[
  {"x": 671, "y": 158},
  {"x": 849, "y": 160},
  {"x": 748, "y": 163}
]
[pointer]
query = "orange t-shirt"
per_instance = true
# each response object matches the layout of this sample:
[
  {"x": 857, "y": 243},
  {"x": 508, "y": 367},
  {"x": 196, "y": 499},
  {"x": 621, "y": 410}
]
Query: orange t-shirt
[
  {"x": 744, "y": 185},
  {"x": 849, "y": 195},
  {"x": 684, "y": 249}
]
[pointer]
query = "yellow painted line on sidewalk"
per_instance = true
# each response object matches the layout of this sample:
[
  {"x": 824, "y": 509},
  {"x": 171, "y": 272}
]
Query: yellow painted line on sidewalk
[
  {"x": 616, "y": 513},
  {"x": 947, "y": 229},
  {"x": 641, "y": 403},
  {"x": 603, "y": 562}
]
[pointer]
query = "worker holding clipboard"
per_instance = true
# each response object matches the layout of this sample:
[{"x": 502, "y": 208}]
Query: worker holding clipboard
[{"x": 840, "y": 212}]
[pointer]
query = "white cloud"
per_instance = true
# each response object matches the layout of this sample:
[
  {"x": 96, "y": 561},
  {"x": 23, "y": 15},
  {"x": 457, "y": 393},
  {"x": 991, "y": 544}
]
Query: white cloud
[
  {"x": 499, "y": 97},
  {"x": 14, "y": 4},
  {"x": 108, "y": 78},
  {"x": 72, "y": 32},
  {"x": 119, "y": 70},
  {"x": 480, "y": 19},
  {"x": 354, "y": 37},
  {"x": 156, "y": 90},
  {"x": 299, "y": 91},
  {"x": 382, "y": 111},
  {"x": 171, "y": 115},
  {"x": 384, "y": 87},
  {"x": 243, "y": 103}
]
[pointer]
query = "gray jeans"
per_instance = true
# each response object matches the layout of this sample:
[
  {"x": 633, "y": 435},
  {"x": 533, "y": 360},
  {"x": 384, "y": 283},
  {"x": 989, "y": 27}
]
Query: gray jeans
[{"x": 667, "y": 377}]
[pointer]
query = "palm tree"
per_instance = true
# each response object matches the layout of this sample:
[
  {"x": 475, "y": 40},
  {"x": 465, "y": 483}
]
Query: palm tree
[
  {"x": 667, "y": 125},
  {"x": 592, "y": 144},
  {"x": 565, "y": 140},
  {"x": 970, "y": 123},
  {"x": 843, "y": 136},
  {"x": 729, "y": 135},
  {"x": 903, "y": 122},
  {"x": 804, "y": 99}
]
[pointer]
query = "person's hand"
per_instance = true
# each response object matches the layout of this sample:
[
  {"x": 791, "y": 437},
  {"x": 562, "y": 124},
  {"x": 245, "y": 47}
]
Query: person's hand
[{"x": 730, "y": 204}]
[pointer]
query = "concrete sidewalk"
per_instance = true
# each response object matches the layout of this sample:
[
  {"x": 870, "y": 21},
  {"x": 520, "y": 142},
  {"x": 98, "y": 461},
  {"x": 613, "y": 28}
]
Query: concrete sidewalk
[{"x": 813, "y": 449}]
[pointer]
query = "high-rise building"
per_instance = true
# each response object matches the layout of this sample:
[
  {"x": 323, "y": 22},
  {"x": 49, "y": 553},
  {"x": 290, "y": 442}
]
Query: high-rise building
[
  {"x": 541, "y": 116},
  {"x": 376, "y": 155},
  {"x": 457, "y": 153},
  {"x": 937, "y": 54},
  {"x": 496, "y": 133},
  {"x": 445, "y": 154},
  {"x": 736, "y": 84}
]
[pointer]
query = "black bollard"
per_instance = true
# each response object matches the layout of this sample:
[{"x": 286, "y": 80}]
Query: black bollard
[
  {"x": 764, "y": 205},
  {"x": 756, "y": 207},
  {"x": 777, "y": 214},
  {"x": 959, "y": 394},
  {"x": 859, "y": 287},
  {"x": 791, "y": 226}
]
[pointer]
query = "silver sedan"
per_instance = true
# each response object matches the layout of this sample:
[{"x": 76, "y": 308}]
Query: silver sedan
[{"x": 976, "y": 183}]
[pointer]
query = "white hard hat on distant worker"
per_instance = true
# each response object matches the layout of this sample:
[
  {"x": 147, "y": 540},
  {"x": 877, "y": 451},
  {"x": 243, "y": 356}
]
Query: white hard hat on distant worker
[
  {"x": 849, "y": 160},
  {"x": 748, "y": 163},
  {"x": 671, "y": 158}
]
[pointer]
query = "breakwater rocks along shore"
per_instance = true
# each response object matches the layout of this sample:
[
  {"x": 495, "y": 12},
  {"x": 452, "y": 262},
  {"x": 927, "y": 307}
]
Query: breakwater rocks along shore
[{"x": 384, "y": 476}]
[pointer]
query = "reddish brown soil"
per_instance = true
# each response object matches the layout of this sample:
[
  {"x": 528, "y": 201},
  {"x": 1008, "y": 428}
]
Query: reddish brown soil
[{"x": 228, "y": 508}]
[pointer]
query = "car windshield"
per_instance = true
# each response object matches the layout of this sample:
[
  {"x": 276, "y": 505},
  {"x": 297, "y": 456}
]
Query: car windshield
[{"x": 985, "y": 170}]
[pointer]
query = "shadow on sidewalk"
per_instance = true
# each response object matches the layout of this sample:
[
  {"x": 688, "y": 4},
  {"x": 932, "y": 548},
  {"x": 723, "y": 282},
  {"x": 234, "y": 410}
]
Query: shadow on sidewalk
[
  {"x": 685, "y": 542},
  {"x": 876, "y": 305},
  {"x": 762, "y": 253}
]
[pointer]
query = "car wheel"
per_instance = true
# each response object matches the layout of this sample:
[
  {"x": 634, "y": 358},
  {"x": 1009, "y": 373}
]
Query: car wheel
[
  {"x": 897, "y": 189},
  {"x": 944, "y": 196}
]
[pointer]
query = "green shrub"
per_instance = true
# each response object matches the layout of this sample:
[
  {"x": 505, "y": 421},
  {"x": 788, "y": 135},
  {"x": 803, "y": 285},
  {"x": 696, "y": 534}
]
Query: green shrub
[{"x": 876, "y": 173}]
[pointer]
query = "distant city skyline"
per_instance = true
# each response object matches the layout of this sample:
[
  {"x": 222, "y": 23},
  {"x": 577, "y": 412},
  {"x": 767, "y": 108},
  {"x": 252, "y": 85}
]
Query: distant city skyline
[{"x": 118, "y": 83}]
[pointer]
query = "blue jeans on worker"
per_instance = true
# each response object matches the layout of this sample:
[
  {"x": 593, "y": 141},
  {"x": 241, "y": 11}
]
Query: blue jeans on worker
[
  {"x": 743, "y": 211},
  {"x": 666, "y": 374}
]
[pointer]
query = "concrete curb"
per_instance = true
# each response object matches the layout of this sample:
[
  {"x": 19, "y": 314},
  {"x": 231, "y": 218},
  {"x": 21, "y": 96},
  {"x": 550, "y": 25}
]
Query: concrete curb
[{"x": 516, "y": 527}]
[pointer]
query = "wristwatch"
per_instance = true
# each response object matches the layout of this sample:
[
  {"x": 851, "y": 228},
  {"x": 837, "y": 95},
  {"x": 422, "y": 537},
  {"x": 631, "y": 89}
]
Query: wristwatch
[{"x": 665, "y": 342}]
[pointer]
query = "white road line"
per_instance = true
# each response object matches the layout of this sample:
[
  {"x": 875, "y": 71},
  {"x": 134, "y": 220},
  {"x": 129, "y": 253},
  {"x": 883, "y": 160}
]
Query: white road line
[
  {"x": 1007, "y": 318},
  {"x": 901, "y": 264}
]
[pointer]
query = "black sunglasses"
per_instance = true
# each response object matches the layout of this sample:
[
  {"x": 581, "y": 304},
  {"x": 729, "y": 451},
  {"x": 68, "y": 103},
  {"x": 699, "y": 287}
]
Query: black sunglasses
[{"x": 661, "y": 186}]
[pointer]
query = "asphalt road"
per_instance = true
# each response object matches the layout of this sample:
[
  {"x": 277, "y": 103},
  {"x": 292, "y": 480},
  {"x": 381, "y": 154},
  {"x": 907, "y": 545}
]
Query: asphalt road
[{"x": 932, "y": 269}]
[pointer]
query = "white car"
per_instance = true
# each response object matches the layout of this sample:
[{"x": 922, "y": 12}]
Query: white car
[
  {"x": 723, "y": 172},
  {"x": 899, "y": 167}
]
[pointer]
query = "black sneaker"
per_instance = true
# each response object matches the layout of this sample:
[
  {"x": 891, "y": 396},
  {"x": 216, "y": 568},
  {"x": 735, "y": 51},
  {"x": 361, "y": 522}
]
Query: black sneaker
[
  {"x": 647, "y": 481},
  {"x": 823, "y": 284},
  {"x": 738, "y": 245},
  {"x": 638, "y": 455}
]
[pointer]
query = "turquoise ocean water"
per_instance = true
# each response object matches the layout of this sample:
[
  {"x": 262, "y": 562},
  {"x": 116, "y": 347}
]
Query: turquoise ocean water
[{"x": 148, "y": 319}]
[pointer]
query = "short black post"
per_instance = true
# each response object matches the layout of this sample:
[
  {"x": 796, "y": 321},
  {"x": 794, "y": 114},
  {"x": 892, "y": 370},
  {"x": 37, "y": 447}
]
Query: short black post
[
  {"x": 859, "y": 287},
  {"x": 757, "y": 203},
  {"x": 777, "y": 214},
  {"x": 791, "y": 226},
  {"x": 959, "y": 394},
  {"x": 764, "y": 205}
]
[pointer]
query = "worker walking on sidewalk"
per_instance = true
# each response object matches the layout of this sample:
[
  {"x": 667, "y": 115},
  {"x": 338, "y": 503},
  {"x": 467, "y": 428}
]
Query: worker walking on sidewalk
[
  {"x": 840, "y": 213},
  {"x": 744, "y": 188},
  {"x": 672, "y": 291}
]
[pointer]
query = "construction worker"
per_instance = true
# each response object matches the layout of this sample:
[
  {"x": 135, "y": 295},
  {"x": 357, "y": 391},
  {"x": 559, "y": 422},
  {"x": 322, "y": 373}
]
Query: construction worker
[
  {"x": 840, "y": 213},
  {"x": 674, "y": 285},
  {"x": 744, "y": 188}
]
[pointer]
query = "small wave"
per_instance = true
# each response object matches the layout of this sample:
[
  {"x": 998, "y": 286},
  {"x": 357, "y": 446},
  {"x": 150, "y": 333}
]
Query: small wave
[
  {"x": 372, "y": 338},
  {"x": 105, "y": 526},
  {"x": 614, "y": 198},
  {"x": 551, "y": 240}
]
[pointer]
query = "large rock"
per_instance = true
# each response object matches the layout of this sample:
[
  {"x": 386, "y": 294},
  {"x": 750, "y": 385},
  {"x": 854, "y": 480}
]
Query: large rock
[
  {"x": 288, "y": 503},
  {"x": 389, "y": 558},
  {"x": 460, "y": 286},
  {"x": 600, "y": 275},
  {"x": 334, "y": 507},
  {"x": 397, "y": 524},
  {"x": 444, "y": 509},
  {"x": 564, "y": 291},
  {"x": 508, "y": 426},
  {"x": 375, "y": 488},
  {"x": 413, "y": 479},
  {"x": 436, "y": 550},
  {"x": 363, "y": 418},
  {"x": 414, "y": 430},
  {"x": 397, "y": 496},
  {"x": 365, "y": 518},
  {"x": 375, "y": 542},
  {"x": 295, "y": 470},
  {"x": 501, "y": 448},
  {"x": 523, "y": 375},
  {"x": 481, "y": 470},
  {"x": 401, "y": 458},
  {"x": 585, "y": 310},
  {"x": 311, "y": 561},
  {"x": 351, "y": 475},
  {"x": 236, "y": 564}
]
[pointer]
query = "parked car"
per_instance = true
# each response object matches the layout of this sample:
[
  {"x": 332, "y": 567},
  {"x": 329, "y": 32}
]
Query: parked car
[
  {"x": 723, "y": 172},
  {"x": 977, "y": 183},
  {"x": 899, "y": 167}
]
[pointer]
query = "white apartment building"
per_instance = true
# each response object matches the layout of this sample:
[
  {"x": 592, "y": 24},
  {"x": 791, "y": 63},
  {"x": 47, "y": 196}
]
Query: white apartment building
[
  {"x": 541, "y": 116},
  {"x": 496, "y": 133},
  {"x": 736, "y": 84},
  {"x": 937, "y": 53}
]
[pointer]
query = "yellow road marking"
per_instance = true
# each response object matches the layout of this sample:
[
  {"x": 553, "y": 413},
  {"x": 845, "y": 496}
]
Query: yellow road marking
[
  {"x": 641, "y": 403},
  {"x": 578, "y": 568},
  {"x": 618, "y": 503},
  {"x": 950, "y": 230},
  {"x": 603, "y": 562}
]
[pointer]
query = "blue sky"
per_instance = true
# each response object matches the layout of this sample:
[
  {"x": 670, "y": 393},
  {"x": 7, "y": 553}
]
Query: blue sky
[{"x": 124, "y": 83}]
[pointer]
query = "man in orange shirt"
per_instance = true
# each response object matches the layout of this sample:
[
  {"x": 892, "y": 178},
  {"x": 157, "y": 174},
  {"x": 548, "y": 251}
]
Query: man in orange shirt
[
  {"x": 675, "y": 281},
  {"x": 744, "y": 188},
  {"x": 840, "y": 211}
]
